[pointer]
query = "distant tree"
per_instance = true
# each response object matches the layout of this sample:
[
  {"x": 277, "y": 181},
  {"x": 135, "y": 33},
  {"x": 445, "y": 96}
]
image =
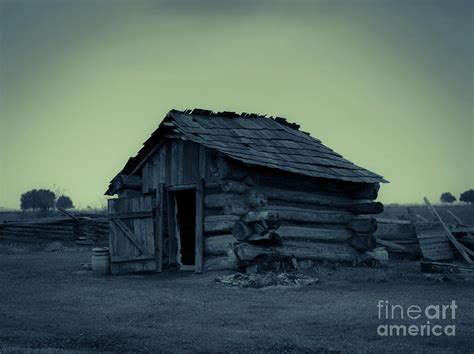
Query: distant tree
[
  {"x": 37, "y": 199},
  {"x": 447, "y": 197},
  {"x": 467, "y": 196},
  {"x": 26, "y": 200},
  {"x": 64, "y": 202},
  {"x": 45, "y": 199}
]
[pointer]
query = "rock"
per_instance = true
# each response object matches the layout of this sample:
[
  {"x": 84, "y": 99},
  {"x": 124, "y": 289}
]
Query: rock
[
  {"x": 306, "y": 281},
  {"x": 251, "y": 269},
  {"x": 277, "y": 265},
  {"x": 54, "y": 247},
  {"x": 294, "y": 263},
  {"x": 305, "y": 264},
  {"x": 86, "y": 266}
]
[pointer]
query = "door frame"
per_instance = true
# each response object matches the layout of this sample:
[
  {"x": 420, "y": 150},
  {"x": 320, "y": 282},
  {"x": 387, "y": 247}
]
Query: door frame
[{"x": 173, "y": 226}]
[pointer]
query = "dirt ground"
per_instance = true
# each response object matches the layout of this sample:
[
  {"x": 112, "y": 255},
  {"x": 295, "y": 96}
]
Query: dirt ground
[{"x": 49, "y": 304}]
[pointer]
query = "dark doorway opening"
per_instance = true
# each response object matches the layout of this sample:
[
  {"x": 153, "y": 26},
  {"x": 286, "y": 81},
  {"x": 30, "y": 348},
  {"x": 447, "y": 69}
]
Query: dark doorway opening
[{"x": 186, "y": 205}]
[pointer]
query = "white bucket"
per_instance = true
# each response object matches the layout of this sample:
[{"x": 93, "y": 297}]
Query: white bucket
[{"x": 101, "y": 261}]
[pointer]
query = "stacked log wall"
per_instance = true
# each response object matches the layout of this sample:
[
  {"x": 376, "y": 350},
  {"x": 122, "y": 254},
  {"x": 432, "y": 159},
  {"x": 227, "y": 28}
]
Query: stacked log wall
[
  {"x": 218, "y": 224},
  {"x": 314, "y": 221},
  {"x": 318, "y": 222}
]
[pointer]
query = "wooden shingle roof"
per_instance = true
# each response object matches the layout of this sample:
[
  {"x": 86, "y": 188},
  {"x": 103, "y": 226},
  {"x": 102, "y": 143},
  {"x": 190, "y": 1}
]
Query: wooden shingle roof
[
  {"x": 268, "y": 142},
  {"x": 257, "y": 140}
]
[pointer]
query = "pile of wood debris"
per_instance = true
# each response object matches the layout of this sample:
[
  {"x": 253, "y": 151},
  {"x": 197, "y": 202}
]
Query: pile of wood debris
[
  {"x": 258, "y": 281},
  {"x": 430, "y": 240},
  {"x": 435, "y": 242}
]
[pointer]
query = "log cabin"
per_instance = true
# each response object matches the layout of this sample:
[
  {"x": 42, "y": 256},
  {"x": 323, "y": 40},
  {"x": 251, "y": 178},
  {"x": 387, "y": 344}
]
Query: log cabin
[{"x": 213, "y": 191}]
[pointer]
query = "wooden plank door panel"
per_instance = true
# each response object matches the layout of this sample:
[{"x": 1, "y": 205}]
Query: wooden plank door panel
[
  {"x": 159, "y": 227},
  {"x": 132, "y": 236}
]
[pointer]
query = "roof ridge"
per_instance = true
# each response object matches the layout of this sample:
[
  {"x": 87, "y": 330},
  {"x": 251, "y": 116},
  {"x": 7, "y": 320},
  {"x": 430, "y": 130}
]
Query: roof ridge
[{"x": 231, "y": 114}]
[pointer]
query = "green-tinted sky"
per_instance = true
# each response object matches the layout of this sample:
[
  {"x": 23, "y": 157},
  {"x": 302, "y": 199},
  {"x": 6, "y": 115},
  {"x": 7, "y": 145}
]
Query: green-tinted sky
[{"x": 388, "y": 84}]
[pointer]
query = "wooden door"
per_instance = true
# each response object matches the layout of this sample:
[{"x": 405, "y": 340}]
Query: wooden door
[{"x": 132, "y": 235}]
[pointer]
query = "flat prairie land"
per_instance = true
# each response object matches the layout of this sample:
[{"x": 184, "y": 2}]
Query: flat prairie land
[
  {"x": 50, "y": 304},
  {"x": 463, "y": 211}
]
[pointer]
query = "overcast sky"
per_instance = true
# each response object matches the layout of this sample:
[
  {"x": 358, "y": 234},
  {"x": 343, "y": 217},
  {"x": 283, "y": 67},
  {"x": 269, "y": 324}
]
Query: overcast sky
[{"x": 388, "y": 84}]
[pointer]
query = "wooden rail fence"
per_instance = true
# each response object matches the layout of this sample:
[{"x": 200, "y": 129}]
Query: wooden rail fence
[{"x": 82, "y": 231}]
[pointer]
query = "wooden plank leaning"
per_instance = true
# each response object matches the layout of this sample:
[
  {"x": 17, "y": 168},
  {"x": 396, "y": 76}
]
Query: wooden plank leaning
[{"x": 451, "y": 237}]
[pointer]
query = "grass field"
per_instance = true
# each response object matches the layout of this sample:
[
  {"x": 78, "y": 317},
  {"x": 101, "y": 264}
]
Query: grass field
[{"x": 49, "y": 302}]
